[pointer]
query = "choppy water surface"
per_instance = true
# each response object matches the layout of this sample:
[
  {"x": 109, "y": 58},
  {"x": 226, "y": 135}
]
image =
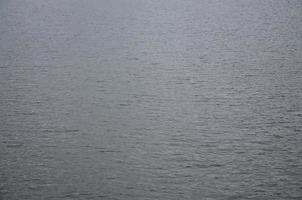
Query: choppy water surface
[{"x": 153, "y": 99}]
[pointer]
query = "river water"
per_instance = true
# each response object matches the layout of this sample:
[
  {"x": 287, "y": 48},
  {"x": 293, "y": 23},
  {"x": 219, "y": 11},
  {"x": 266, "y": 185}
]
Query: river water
[{"x": 153, "y": 99}]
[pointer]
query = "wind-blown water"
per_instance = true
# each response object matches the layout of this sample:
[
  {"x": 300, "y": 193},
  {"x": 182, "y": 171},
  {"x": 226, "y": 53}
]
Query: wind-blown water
[{"x": 151, "y": 99}]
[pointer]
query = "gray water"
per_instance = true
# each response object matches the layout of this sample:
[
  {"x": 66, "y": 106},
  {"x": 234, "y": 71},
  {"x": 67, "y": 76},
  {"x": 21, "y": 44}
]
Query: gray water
[{"x": 151, "y": 99}]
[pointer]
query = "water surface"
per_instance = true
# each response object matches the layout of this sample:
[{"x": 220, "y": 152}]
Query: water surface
[{"x": 153, "y": 99}]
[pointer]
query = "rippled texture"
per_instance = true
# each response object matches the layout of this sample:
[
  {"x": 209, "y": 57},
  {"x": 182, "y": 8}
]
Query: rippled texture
[{"x": 151, "y": 99}]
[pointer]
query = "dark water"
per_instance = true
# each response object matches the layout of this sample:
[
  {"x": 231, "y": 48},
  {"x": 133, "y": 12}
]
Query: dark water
[{"x": 151, "y": 99}]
